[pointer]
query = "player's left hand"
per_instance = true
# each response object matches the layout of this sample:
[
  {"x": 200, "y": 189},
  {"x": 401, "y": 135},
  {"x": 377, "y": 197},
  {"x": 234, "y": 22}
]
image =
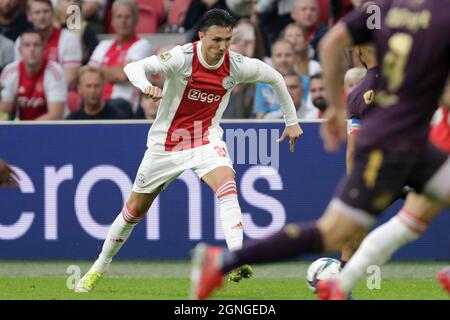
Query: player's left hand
[
  {"x": 333, "y": 131},
  {"x": 293, "y": 132}
]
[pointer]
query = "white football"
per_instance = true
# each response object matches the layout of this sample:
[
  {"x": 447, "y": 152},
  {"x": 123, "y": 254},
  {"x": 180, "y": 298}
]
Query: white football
[{"x": 322, "y": 269}]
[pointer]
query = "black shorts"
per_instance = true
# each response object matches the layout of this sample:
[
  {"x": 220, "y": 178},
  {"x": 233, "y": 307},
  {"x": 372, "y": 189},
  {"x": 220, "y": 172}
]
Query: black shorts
[{"x": 378, "y": 178}]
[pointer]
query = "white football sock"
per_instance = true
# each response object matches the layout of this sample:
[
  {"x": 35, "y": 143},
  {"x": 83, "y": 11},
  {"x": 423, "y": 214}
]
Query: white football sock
[
  {"x": 118, "y": 233},
  {"x": 379, "y": 246},
  {"x": 230, "y": 215}
]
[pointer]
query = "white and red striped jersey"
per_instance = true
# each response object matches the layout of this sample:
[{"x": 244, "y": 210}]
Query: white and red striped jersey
[
  {"x": 32, "y": 94},
  {"x": 63, "y": 47},
  {"x": 109, "y": 53},
  {"x": 196, "y": 94}
]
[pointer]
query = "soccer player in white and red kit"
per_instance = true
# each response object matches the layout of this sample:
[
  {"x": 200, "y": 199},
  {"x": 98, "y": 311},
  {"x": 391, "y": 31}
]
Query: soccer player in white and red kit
[
  {"x": 112, "y": 55},
  {"x": 186, "y": 134},
  {"x": 61, "y": 45},
  {"x": 33, "y": 88}
]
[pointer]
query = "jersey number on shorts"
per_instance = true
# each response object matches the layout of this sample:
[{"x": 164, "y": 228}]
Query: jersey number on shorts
[{"x": 221, "y": 151}]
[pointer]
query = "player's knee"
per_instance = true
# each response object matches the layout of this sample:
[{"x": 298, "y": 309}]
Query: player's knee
[
  {"x": 332, "y": 240},
  {"x": 337, "y": 236}
]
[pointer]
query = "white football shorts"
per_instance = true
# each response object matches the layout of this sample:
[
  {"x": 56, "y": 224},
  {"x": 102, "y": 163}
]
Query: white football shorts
[{"x": 159, "y": 169}]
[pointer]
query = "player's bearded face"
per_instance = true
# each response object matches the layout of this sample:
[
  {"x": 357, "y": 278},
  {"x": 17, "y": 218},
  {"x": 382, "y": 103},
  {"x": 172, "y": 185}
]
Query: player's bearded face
[{"x": 215, "y": 41}]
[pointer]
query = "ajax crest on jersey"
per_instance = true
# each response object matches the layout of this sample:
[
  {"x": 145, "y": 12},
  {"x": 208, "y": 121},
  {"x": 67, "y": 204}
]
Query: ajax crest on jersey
[
  {"x": 322, "y": 269},
  {"x": 228, "y": 82}
]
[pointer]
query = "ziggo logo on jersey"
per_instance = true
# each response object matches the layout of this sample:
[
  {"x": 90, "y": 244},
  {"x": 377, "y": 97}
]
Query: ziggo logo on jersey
[
  {"x": 54, "y": 178},
  {"x": 198, "y": 95}
]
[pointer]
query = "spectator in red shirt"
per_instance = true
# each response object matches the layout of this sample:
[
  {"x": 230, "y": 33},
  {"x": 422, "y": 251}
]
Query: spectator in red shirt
[
  {"x": 34, "y": 88},
  {"x": 84, "y": 32},
  {"x": 112, "y": 55},
  {"x": 61, "y": 45}
]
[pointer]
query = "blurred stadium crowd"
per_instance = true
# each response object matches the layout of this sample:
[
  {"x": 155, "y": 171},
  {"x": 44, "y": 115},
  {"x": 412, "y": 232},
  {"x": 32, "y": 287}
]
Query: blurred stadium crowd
[{"x": 63, "y": 59}]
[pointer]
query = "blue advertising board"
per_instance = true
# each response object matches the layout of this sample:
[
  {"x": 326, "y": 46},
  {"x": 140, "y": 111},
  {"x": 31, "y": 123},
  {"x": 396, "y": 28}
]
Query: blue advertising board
[{"x": 76, "y": 177}]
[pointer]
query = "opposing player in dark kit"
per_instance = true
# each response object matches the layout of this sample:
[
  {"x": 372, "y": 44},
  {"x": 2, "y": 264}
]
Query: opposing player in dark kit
[{"x": 392, "y": 149}]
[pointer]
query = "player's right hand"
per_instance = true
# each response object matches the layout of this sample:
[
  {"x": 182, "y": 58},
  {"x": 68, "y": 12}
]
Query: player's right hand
[
  {"x": 154, "y": 93},
  {"x": 333, "y": 131},
  {"x": 8, "y": 177}
]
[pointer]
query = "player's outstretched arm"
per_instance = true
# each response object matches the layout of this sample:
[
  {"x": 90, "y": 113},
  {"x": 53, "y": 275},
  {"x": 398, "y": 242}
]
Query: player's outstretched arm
[{"x": 332, "y": 48}]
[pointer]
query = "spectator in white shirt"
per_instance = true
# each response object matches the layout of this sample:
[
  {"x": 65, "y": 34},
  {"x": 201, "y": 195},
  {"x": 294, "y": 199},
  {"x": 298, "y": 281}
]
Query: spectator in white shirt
[
  {"x": 33, "y": 88},
  {"x": 61, "y": 45},
  {"x": 113, "y": 54}
]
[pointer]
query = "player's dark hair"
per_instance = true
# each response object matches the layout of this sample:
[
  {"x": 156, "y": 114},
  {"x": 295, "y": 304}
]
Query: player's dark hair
[
  {"x": 217, "y": 17},
  {"x": 32, "y": 30}
]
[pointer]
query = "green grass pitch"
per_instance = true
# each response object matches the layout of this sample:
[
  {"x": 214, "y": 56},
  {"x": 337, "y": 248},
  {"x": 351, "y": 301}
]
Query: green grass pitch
[{"x": 169, "y": 280}]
